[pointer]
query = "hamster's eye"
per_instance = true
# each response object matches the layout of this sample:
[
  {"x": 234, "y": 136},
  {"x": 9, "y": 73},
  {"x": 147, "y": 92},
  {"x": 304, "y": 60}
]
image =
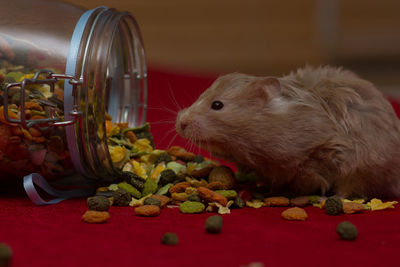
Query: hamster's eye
[{"x": 217, "y": 105}]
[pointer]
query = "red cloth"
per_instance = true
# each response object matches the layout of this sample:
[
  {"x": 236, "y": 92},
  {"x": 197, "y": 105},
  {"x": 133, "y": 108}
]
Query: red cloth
[{"x": 55, "y": 236}]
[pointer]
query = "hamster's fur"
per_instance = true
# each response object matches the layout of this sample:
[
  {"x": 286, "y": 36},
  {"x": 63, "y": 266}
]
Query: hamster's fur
[{"x": 317, "y": 130}]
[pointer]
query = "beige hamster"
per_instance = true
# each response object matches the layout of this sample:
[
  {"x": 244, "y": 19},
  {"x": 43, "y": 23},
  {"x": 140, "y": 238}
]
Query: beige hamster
[{"x": 316, "y": 131}]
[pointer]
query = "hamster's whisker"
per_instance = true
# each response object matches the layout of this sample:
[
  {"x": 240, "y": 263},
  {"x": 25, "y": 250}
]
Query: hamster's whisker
[
  {"x": 172, "y": 97},
  {"x": 167, "y": 133},
  {"x": 172, "y": 140},
  {"x": 164, "y": 108},
  {"x": 163, "y": 122},
  {"x": 189, "y": 144}
]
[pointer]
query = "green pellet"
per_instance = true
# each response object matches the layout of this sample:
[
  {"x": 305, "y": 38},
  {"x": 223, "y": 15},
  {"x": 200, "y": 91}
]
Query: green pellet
[
  {"x": 314, "y": 199},
  {"x": 98, "y": 203},
  {"x": 164, "y": 190},
  {"x": 194, "y": 198},
  {"x": 5, "y": 254},
  {"x": 238, "y": 203},
  {"x": 122, "y": 197},
  {"x": 191, "y": 207},
  {"x": 130, "y": 189},
  {"x": 213, "y": 224},
  {"x": 347, "y": 230},
  {"x": 150, "y": 187},
  {"x": 229, "y": 194},
  {"x": 113, "y": 187},
  {"x": 152, "y": 201},
  {"x": 169, "y": 239},
  {"x": 258, "y": 196},
  {"x": 333, "y": 205}
]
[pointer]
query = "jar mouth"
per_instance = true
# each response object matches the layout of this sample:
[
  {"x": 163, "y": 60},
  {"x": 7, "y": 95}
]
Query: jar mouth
[
  {"x": 114, "y": 83},
  {"x": 126, "y": 82}
]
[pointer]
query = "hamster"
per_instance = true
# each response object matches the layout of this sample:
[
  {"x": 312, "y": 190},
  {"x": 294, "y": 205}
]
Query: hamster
[{"x": 315, "y": 131}]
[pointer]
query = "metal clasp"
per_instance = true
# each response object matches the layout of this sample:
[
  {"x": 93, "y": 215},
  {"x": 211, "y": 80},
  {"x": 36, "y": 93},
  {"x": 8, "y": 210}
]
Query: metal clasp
[{"x": 50, "y": 79}]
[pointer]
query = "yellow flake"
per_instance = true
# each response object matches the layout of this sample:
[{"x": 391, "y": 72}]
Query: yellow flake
[
  {"x": 145, "y": 158},
  {"x": 114, "y": 130},
  {"x": 360, "y": 201},
  {"x": 127, "y": 167},
  {"x": 117, "y": 153},
  {"x": 44, "y": 89},
  {"x": 36, "y": 86},
  {"x": 221, "y": 209},
  {"x": 27, "y": 76},
  {"x": 377, "y": 204},
  {"x": 191, "y": 190},
  {"x": 154, "y": 155},
  {"x": 255, "y": 204},
  {"x": 155, "y": 174},
  {"x": 190, "y": 166},
  {"x": 179, "y": 196},
  {"x": 139, "y": 168},
  {"x": 320, "y": 205},
  {"x": 196, "y": 183},
  {"x": 143, "y": 145},
  {"x": 138, "y": 202}
]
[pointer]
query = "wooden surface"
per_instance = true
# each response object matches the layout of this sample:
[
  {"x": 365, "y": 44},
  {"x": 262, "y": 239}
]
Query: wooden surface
[{"x": 269, "y": 37}]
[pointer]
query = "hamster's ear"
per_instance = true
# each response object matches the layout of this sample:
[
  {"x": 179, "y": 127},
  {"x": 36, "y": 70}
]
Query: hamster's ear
[{"x": 265, "y": 89}]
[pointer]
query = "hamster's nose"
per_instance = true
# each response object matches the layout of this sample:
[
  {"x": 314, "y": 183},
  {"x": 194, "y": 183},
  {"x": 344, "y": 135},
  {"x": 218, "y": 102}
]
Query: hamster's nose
[{"x": 183, "y": 125}]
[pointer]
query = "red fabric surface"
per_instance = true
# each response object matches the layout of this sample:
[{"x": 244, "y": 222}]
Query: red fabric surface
[{"x": 55, "y": 236}]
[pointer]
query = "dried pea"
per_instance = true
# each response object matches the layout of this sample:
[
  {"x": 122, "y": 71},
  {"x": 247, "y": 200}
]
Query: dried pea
[
  {"x": 134, "y": 179},
  {"x": 347, "y": 230},
  {"x": 169, "y": 239},
  {"x": 333, "y": 205},
  {"x": 106, "y": 194},
  {"x": 191, "y": 207},
  {"x": 194, "y": 197},
  {"x": 167, "y": 176},
  {"x": 163, "y": 157},
  {"x": 152, "y": 201},
  {"x": 122, "y": 197},
  {"x": 213, "y": 224},
  {"x": 5, "y": 254},
  {"x": 238, "y": 202},
  {"x": 164, "y": 200},
  {"x": 99, "y": 203}
]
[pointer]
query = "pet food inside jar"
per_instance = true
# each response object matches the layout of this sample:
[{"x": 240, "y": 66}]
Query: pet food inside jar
[{"x": 64, "y": 74}]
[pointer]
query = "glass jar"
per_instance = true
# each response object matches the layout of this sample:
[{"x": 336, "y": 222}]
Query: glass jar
[{"x": 63, "y": 72}]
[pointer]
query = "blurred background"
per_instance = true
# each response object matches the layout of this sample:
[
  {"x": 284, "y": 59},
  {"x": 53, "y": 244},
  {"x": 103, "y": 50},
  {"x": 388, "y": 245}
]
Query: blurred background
[{"x": 266, "y": 37}]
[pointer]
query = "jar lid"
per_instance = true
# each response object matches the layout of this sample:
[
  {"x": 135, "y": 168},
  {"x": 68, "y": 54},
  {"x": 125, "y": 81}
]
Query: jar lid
[{"x": 70, "y": 69}]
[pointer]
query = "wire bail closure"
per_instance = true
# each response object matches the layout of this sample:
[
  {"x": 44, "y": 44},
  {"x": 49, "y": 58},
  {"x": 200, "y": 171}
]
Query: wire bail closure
[{"x": 50, "y": 79}]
